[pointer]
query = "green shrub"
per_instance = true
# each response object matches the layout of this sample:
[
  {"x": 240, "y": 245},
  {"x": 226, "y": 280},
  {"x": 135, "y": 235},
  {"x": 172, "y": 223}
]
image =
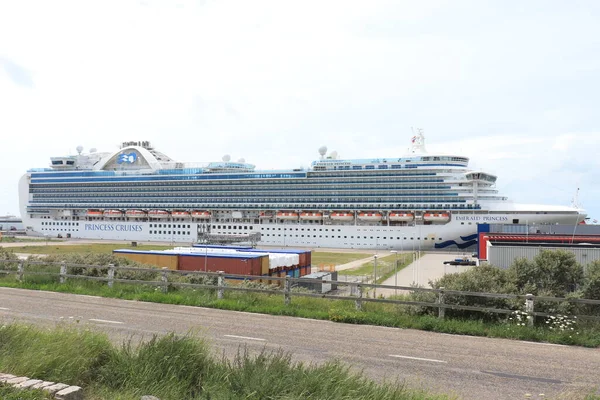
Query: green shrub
[
  {"x": 555, "y": 273},
  {"x": 482, "y": 278}
]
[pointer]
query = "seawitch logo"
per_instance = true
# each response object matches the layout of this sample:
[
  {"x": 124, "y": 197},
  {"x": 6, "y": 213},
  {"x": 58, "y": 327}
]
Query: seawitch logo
[
  {"x": 113, "y": 228},
  {"x": 128, "y": 158}
]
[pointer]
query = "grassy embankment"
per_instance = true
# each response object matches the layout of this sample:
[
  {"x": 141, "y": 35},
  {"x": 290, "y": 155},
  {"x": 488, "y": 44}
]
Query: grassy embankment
[{"x": 177, "y": 368}]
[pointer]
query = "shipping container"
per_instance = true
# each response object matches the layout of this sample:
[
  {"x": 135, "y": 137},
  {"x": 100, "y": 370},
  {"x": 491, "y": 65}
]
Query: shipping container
[
  {"x": 154, "y": 258},
  {"x": 265, "y": 265},
  {"x": 230, "y": 264},
  {"x": 216, "y": 246}
]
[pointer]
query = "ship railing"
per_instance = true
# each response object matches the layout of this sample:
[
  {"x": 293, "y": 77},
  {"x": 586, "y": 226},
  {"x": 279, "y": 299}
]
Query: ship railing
[{"x": 288, "y": 287}]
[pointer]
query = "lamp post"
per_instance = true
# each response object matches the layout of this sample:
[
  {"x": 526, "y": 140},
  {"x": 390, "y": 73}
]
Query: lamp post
[
  {"x": 375, "y": 275},
  {"x": 395, "y": 272}
]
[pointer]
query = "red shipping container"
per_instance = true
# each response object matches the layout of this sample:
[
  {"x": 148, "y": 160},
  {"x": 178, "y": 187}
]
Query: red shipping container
[{"x": 229, "y": 265}]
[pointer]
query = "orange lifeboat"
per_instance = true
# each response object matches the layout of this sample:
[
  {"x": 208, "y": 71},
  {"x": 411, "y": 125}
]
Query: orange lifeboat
[
  {"x": 201, "y": 214},
  {"x": 135, "y": 214},
  {"x": 342, "y": 216},
  {"x": 158, "y": 214},
  {"x": 287, "y": 215},
  {"x": 113, "y": 213},
  {"x": 311, "y": 216},
  {"x": 370, "y": 216},
  {"x": 396, "y": 216},
  {"x": 94, "y": 213},
  {"x": 436, "y": 217},
  {"x": 180, "y": 214}
]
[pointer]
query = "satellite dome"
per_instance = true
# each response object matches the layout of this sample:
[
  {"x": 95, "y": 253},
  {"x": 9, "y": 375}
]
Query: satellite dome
[
  {"x": 323, "y": 151},
  {"x": 226, "y": 158},
  {"x": 241, "y": 160},
  {"x": 333, "y": 155},
  {"x": 79, "y": 149}
]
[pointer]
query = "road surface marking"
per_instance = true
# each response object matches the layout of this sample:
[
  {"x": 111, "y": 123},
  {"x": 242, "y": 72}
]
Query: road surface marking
[
  {"x": 4, "y": 309},
  {"x": 545, "y": 344},
  {"x": 106, "y": 320},
  {"x": 417, "y": 358},
  {"x": 245, "y": 337},
  {"x": 524, "y": 377}
]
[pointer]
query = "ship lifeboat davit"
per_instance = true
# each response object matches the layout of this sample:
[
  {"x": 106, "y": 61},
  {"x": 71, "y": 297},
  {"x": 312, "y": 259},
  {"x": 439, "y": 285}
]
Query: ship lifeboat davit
[
  {"x": 311, "y": 216},
  {"x": 436, "y": 217},
  {"x": 342, "y": 216},
  {"x": 135, "y": 214},
  {"x": 113, "y": 213},
  {"x": 201, "y": 214},
  {"x": 158, "y": 214},
  {"x": 180, "y": 214},
  {"x": 370, "y": 216},
  {"x": 395, "y": 216},
  {"x": 287, "y": 216},
  {"x": 94, "y": 213}
]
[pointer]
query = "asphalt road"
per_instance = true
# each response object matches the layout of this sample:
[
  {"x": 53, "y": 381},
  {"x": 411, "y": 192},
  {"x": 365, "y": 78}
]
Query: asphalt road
[{"x": 470, "y": 367}]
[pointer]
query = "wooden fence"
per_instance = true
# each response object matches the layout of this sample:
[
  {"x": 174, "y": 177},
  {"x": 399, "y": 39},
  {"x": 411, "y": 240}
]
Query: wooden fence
[{"x": 359, "y": 292}]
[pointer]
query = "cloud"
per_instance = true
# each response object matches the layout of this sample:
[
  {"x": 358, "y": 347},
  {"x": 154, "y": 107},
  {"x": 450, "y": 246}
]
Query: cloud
[
  {"x": 515, "y": 89},
  {"x": 17, "y": 74}
]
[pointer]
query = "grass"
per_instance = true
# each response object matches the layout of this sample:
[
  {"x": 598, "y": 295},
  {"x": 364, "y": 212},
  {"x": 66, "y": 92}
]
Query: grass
[
  {"x": 318, "y": 257},
  {"x": 8, "y": 392},
  {"x": 324, "y": 257},
  {"x": 385, "y": 267},
  {"x": 178, "y": 367},
  {"x": 17, "y": 239},
  {"x": 382, "y": 314},
  {"x": 53, "y": 249}
]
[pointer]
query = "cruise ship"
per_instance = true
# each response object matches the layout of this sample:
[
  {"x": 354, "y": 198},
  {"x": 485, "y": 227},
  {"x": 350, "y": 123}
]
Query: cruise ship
[
  {"x": 10, "y": 223},
  {"x": 417, "y": 201}
]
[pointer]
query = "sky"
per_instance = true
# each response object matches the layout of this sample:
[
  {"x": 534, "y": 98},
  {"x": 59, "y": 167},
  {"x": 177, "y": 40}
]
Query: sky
[{"x": 513, "y": 85}]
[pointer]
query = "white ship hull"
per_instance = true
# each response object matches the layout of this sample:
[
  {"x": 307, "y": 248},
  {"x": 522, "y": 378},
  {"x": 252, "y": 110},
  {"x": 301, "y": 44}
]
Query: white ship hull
[{"x": 460, "y": 232}]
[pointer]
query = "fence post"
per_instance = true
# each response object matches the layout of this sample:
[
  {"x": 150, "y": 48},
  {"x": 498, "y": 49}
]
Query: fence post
[
  {"x": 529, "y": 308},
  {"x": 358, "y": 301},
  {"x": 165, "y": 281},
  {"x": 441, "y": 310},
  {"x": 111, "y": 275},
  {"x": 63, "y": 272},
  {"x": 286, "y": 290},
  {"x": 220, "y": 285},
  {"x": 20, "y": 271}
]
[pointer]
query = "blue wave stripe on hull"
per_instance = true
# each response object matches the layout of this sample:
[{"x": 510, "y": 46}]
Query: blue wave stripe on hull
[
  {"x": 470, "y": 237},
  {"x": 448, "y": 243}
]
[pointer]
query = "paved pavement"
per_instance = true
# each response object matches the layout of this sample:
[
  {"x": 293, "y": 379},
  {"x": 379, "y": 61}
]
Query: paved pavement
[
  {"x": 429, "y": 267},
  {"x": 470, "y": 367}
]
